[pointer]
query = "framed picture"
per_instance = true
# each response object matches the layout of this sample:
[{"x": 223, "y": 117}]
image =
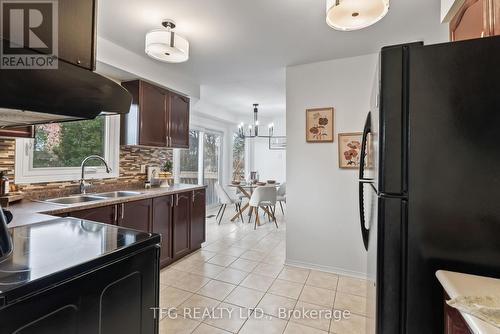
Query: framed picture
[
  {"x": 277, "y": 143},
  {"x": 319, "y": 125},
  {"x": 350, "y": 150}
]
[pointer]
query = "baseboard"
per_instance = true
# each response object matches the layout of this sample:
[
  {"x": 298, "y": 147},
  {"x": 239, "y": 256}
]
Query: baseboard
[{"x": 333, "y": 270}]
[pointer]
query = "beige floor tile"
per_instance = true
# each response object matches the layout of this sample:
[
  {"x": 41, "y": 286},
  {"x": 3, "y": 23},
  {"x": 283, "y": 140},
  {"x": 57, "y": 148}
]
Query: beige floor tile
[
  {"x": 294, "y": 328},
  {"x": 297, "y": 275},
  {"x": 222, "y": 260},
  {"x": 253, "y": 255},
  {"x": 303, "y": 315},
  {"x": 277, "y": 306},
  {"x": 206, "y": 329},
  {"x": 191, "y": 282},
  {"x": 353, "y": 303},
  {"x": 263, "y": 325},
  {"x": 178, "y": 326},
  {"x": 232, "y": 276},
  {"x": 217, "y": 290},
  {"x": 322, "y": 280},
  {"x": 207, "y": 270},
  {"x": 171, "y": 297},
  {"x": 228, "y": 317},
  {"x": 233, "y": 251},
  {"x": 319, "y": 296},
  {"x": 184, "y": 265},
  {"x": 244, "y": 297},
  {"x": 170, "y": 275},
  {"x": 243, "y": 264},
  {"x": 354, "y": 325},
  {"x": 268, "y": 270},
  {"x": 197, "y": 307},
  {"x": 257, "y": 282},
  {"x": 203, "y": 255},
  {"x": 286, "y": 289},
  {"x": 276, "y": 260},
  {"x": 353, "y": 286}
]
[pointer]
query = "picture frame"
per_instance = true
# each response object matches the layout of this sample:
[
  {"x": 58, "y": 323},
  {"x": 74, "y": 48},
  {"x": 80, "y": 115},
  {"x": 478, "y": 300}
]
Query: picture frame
[
  {"x": 350, "y": 150},
  {"x": 320, "y": 125}
]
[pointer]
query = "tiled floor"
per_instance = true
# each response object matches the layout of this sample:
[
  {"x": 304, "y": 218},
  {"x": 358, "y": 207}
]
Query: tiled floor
[{"x": 241, "y": 270}]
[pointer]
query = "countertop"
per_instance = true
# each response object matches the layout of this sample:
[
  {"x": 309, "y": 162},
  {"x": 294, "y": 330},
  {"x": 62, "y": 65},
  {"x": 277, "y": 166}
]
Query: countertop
[
  {"x": 458, "y": 284},
  {"x": 30, "y": 212}
]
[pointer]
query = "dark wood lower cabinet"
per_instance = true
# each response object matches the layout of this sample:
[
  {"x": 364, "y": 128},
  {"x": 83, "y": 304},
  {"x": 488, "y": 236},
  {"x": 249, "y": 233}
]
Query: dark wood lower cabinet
[
  {"x": 181, "y": 225},
  {"x": 178, "y": 218},
  {"x": 198, "y": 214},
  {"x": 454, "y": 323},
  {"x": 104, "y": 214},
  {"x": 136, "y": 215},
  {"x": 162, "y": 224}
]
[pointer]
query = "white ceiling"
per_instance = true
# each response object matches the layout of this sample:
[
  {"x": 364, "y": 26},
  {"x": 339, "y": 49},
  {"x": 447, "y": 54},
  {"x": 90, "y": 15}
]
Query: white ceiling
[{"x": 239, "y": 49}]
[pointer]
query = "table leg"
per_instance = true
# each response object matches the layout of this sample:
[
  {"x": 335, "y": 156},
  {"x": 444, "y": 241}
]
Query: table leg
[{"x": 238, "y": 213}]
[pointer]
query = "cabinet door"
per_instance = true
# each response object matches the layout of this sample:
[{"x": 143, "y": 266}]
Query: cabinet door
[
  {"x": 21, "y": 132},
  {"x": 454, "y": 323},
  {"x": 153, "y": 115},
  {"x": 178, "y": 121},
  {"x": 475, "y": 19},
  {"x": 105, "y": 214},
  {"x": 77, "y": 33},
  {"x": 198, "y": 213},
  {"x": 136, "y": 215},
  {"x": 162, "y": 224},
  {"x": 180, "y": 224}
]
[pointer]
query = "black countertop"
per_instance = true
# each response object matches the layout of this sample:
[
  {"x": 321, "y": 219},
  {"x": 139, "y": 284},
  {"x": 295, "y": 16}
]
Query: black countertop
[{"x": 50, "y": 252}]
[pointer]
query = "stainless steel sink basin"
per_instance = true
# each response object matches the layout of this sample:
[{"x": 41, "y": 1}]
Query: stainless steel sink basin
[
  {"x": 118, "y": 194},
  {"x": 74, "y": 199}
]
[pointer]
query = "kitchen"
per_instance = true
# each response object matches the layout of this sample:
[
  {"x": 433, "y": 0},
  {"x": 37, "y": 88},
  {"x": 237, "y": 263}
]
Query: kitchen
[{"x": 165, "y": 156}]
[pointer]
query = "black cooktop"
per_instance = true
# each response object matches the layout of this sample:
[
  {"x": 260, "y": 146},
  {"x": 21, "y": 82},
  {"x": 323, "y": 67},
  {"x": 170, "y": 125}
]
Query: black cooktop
[{"x": 51, "y": 251}]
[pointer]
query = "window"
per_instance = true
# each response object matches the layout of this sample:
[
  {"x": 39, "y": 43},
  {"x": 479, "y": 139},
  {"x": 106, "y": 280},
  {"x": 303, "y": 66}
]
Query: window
[
  {"x": 200, "y": 164},
  {"x": 238, "y": 157},
  {"x": 56, "y": 152}
]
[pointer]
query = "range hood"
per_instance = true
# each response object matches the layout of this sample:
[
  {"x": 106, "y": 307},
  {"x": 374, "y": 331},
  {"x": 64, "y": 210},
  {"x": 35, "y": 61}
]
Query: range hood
[{"x": 57, "y": 95}]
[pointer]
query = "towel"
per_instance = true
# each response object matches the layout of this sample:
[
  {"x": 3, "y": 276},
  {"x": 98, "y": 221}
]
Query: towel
[{"x": 486, "y": 308}]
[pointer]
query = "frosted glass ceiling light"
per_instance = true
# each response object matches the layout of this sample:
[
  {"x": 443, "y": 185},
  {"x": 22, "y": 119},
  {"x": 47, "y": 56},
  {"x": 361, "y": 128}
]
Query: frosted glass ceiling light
[
  {"x": 347, "y": 15},
  {"x": 165, "y": 45}
]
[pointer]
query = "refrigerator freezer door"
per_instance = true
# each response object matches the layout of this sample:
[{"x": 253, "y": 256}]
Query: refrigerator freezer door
[{"x": 454, "y": 173}]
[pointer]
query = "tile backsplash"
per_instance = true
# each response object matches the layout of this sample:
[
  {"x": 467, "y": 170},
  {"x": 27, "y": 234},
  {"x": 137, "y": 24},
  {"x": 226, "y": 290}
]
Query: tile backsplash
[{"x": 131, "y": 159}]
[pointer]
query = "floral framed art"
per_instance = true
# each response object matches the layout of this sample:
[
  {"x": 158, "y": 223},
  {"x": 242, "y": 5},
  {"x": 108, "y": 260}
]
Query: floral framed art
[
  {"x": 350, "y": 149},
  {"x": 319, "y": 125}
]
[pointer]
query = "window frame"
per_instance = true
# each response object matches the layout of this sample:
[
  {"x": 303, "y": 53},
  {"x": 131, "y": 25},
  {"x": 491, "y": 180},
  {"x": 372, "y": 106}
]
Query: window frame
[{"x": 25, "y": 173}]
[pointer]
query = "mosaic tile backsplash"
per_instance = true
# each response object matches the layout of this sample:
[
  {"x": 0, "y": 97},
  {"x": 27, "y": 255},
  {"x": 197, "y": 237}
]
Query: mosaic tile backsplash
[{"x": 131, "y": 159}]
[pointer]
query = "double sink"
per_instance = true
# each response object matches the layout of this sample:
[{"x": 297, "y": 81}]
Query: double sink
[{"x": 91, "y": 197}]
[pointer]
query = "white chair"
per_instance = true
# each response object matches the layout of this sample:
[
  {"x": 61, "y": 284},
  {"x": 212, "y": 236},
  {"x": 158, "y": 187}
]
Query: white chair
[
  {"x": 263, "y": 197},
  {"x": 224, "y": 200},
  {"x": 282, "y": 195}
]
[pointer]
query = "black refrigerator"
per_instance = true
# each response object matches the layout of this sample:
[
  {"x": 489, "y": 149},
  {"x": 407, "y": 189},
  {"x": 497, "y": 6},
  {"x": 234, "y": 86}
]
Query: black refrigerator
[{"x": 429, "y": 185}]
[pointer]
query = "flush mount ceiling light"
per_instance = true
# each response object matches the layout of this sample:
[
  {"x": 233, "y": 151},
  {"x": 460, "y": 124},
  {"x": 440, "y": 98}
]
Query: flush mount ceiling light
[
  {"x": 165, "y": 45},
  {"x": 347, "y": 15}
]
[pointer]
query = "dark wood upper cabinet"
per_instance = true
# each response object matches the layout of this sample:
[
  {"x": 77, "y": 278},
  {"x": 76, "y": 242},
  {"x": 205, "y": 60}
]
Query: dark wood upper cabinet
[
  {"x": 162, "y": 224},
  {"x": 475, "y": 19},
  {"x": 179, "y": 121},
  {"x": 157, "y": 117},
  {"x": 135, "y": 215},
  {"x": 181, "y": 225},
  {"x": 21, "y": 132},
  {"x": 77, "y": 32},
  {"x": 198, "y": 214}
]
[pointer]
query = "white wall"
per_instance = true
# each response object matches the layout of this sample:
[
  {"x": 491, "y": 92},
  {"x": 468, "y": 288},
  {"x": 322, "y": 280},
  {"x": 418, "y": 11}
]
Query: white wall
[{"x": 322, "y": 200}]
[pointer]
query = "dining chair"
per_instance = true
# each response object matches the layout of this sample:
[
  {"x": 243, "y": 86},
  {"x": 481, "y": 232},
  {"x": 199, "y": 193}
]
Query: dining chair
[
  {"x": 282, "y": 195},
  {"x": 224, "y": 200},
  {"x": 263, "y": 197}
]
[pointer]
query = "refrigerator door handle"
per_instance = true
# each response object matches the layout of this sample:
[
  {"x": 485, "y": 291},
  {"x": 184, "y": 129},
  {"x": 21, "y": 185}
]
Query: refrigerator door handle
[{"x": 362, "y": 180}]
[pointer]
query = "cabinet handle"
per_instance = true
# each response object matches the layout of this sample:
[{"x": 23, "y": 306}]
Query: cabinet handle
[
  {"x": 176, "y": 199},
  {"x": 194, "y": 195},
  {"x": 78, "y": 61},
  {"x": 123, "y": 210},
  {"x": 115, "y": 218},
  {"x": 172, "y": 201}
]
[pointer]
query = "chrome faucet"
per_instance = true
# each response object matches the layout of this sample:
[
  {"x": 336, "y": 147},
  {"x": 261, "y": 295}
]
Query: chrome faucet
[{"x": 83, "y": 184}]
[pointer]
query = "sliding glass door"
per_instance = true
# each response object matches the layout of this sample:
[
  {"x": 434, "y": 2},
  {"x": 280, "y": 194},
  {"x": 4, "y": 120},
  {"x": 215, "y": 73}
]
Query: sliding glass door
[{"x": 200, "y": 164}]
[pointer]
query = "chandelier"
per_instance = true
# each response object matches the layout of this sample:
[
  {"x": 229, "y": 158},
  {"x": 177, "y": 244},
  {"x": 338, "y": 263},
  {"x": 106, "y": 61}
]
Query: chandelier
[{"x": 252, "y": 131}]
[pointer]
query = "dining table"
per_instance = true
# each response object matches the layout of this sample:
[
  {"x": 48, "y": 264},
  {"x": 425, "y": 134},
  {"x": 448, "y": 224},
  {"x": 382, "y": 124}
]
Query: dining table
[{"x": 247, "y": 189}]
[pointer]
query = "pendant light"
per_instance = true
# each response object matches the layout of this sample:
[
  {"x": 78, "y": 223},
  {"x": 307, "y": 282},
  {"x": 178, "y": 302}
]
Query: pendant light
[
  {"x": 167, "y": 46},
  {"x": 347, "y": 15}
]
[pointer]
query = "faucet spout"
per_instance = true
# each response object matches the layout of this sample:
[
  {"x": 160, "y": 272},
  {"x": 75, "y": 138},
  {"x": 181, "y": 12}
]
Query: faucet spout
[{"x": 83, "y": 185}]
